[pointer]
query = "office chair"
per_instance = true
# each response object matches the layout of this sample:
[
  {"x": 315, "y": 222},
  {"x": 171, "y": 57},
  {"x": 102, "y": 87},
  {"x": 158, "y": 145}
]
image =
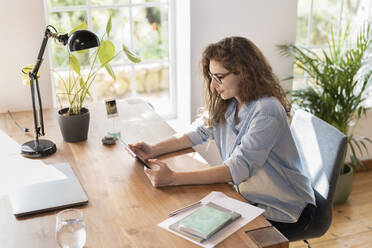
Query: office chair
[{"x": 321, "y": 148}]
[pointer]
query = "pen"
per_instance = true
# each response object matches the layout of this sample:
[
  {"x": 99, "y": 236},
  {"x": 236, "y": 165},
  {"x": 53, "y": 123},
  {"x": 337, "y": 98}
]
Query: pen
[{"x": 183, "y": 209}]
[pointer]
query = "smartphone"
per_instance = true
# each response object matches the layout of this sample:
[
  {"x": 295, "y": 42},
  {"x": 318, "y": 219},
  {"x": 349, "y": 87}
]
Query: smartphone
[{"x": 141, "y": 160}]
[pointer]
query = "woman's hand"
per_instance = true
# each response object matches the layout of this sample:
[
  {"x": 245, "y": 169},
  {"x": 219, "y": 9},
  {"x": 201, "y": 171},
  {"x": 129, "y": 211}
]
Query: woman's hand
[
  {"x": 143, "y": 150},
  {"x": 160, "y": 175}
]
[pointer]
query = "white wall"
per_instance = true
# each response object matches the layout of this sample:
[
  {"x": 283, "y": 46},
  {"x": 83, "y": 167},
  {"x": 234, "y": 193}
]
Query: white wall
[
  {"x": 266, "y": 22},
  {"x": 363, "y": 129},
  {"x": 22, "y": 25}
]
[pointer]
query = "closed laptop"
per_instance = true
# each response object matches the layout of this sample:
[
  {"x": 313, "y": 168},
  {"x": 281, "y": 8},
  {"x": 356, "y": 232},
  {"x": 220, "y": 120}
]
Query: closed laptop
[{"x": 47, "y": 196}]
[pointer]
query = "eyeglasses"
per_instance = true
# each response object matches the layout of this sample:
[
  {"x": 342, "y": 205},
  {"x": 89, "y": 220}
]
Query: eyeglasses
[{"x": 219, "y": 76}]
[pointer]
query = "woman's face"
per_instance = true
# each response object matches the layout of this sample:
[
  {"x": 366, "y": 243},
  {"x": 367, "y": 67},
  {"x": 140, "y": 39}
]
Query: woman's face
[{"x": 229, "y": 85}]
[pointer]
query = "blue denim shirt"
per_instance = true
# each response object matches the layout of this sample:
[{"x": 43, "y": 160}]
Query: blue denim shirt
[{"x": 262, "y": 157}]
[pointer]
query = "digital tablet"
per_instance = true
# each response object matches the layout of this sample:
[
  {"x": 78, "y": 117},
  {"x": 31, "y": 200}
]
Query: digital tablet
[{"x": 141, "y": 160}]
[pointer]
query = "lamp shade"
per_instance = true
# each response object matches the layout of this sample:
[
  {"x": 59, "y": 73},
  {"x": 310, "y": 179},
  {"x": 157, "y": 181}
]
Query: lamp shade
[{"x": 82, "y": 39}]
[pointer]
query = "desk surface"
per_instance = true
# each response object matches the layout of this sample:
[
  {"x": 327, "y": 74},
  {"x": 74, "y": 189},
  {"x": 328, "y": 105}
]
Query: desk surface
[{"x": 124, "y": 209}]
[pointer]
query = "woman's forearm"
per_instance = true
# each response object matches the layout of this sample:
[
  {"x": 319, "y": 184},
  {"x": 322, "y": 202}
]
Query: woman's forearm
[
  {"x": 215, "y": 174},
  {"x": 172, "y": 144}
]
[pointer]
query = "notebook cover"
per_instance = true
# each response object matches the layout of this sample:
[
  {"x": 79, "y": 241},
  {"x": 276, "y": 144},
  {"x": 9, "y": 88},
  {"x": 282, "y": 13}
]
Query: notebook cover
[{"x": 204, "y": 222}]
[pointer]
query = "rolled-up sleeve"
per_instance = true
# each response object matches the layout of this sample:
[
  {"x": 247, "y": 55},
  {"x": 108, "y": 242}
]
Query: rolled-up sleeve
[
  {"x": 254, "y": 148},
  {"x": 198, "y": 132}
]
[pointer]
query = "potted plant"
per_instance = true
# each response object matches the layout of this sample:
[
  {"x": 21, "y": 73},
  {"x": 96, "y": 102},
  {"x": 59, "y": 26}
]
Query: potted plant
[
  {"x": 74, "y": 119},
  {"x": 338, "y": 87}
]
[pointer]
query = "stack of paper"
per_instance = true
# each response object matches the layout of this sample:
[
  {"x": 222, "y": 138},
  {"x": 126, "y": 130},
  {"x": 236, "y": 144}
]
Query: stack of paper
[{"x": 247, "y": 212}]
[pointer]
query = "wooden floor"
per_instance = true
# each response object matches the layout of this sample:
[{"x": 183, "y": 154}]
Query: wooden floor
[{"x": 352, "y": 221}]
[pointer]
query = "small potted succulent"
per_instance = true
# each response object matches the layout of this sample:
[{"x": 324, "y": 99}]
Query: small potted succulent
[{"x": 74, "y": 119}]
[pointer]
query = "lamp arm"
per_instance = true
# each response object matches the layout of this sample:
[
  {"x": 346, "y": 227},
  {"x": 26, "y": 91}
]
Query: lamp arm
[
  {"x": 40, "y": 107},
  {"x": 36, "y": 68},
  {"x": 34, "y": 79},
  {"x": 62, "y": 38},
  {"x": 37, "y": 130}
]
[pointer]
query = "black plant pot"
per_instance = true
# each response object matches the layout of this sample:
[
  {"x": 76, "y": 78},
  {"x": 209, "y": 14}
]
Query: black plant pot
[{"x": 74, "y": 128}]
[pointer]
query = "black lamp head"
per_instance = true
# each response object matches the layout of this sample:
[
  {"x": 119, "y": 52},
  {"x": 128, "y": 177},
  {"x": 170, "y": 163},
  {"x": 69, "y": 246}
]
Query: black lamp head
[{"x": 82, "y": 39}]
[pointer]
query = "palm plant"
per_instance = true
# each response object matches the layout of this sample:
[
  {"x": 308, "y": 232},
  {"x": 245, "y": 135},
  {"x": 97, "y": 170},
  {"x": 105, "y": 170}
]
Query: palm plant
[{"x": 339, "y": 83}]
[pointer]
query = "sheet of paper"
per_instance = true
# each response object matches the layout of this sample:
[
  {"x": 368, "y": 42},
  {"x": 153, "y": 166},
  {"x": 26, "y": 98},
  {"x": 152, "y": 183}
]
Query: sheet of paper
[
  {"x": 8, "y": 145},
  {"x": 17, "y": 171},
  {"x": 247, "y": 211}
]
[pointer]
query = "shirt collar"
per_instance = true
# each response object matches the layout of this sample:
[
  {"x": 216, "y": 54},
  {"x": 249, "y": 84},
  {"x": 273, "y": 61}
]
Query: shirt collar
[
  {"x": 243, "y": 111},
  {"x": 230, "y": 112}
]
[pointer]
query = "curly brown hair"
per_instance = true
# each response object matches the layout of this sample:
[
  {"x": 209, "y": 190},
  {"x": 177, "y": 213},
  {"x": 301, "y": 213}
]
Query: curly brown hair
[{"x": 238, "y": 54}]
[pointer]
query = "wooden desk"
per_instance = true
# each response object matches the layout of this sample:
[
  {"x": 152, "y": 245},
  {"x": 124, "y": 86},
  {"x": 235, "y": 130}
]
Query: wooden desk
[{"x": 124, "y": 209}]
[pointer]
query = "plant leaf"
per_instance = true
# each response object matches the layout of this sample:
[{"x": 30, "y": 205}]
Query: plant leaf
[
  {"x": 106, "y": 51},
  {"x": 108, "y": 27},
  {"x": 83, "y": 25},
  {"x": 75, "y": 64},
  {"x": 131, "y": 55},
  {"x": 363, "y": 144},
  {"x": 110, "y": 71},
  {"x": 360, "y": 163},
  {"x": 367, "y": 139},
  {"x": 353, "y": 162},
  {"x": 356, "y": 142},
  {"x": 82, "y": 83}
]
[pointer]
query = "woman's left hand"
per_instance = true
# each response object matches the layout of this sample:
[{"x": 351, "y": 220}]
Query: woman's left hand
[{"x": 159, "y": 175}]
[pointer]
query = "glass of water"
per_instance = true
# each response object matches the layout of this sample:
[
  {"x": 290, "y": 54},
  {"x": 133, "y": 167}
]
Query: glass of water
[{"x": 70, "y": 229}]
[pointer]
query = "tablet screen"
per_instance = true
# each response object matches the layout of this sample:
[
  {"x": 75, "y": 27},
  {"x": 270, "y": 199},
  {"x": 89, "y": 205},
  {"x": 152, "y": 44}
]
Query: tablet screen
[{"x": 141, "y": 160}]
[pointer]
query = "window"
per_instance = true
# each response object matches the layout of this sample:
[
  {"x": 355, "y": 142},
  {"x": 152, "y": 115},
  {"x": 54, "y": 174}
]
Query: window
[
  {"x": 315, "y": 18},
  {"x": 145, "y": 26}
]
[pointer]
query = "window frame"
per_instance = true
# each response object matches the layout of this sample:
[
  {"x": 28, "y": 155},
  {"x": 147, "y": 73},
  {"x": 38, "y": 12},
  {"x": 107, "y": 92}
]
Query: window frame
[
  {"x": 171, "y": 60},
  {"x": 308, "y": 45}
]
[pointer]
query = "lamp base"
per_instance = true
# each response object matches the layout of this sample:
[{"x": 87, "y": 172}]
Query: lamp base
[{"x": 31, "y": 149}]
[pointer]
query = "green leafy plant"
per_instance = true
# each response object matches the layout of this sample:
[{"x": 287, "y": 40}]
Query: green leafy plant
[
  {"x": 77, "y": 85},
  {"x": 338, "y": 85}
]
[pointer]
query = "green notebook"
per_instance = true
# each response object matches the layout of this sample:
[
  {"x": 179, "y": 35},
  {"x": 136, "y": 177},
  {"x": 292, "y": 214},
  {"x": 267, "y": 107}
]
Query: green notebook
[{"x": 205, "y": 221}]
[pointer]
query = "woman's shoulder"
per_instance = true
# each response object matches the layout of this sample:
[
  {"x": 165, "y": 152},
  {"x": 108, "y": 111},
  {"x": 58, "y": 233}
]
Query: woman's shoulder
[{"x": 269, "y": 106}]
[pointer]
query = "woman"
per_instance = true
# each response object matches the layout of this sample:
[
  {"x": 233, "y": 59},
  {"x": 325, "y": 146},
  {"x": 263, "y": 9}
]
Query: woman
[{"x": 248, "y": 120}]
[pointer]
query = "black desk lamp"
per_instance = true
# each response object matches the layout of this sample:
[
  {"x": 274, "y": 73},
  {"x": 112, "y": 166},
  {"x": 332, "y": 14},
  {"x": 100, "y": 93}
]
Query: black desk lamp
[{"x": 79, "y": 40}]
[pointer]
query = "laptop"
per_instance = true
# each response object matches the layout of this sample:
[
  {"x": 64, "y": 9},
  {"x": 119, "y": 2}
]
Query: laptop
[{"x": 48, "y": 196}]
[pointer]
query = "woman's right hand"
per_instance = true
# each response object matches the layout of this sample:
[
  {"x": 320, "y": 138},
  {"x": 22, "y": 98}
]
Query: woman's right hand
[{"x": 144, "y": 150}]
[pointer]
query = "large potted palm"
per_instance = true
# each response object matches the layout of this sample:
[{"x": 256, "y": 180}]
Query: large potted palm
[
  {"x": 74, "y": 119},
  {"x": 339, "y": 80}
]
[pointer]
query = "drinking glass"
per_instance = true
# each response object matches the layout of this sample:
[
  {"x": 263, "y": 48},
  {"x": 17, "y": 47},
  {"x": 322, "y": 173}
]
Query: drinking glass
[{"x": 70, "y": 229}]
